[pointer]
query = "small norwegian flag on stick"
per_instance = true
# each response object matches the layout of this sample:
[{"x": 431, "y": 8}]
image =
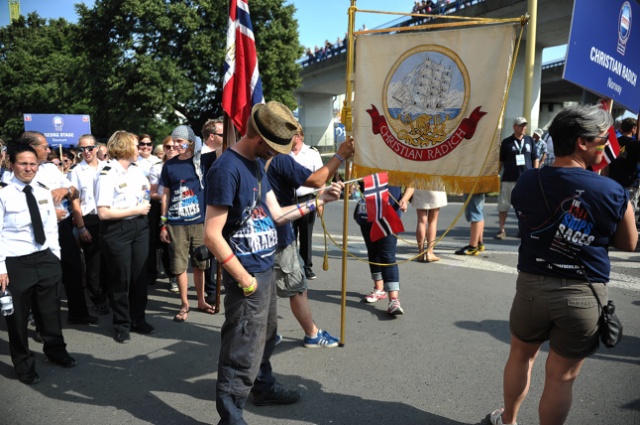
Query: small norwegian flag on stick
[{"x": 384, "y": 218}]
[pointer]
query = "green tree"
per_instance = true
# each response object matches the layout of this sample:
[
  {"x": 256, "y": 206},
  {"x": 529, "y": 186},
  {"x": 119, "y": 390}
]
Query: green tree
[
  {"x": 153, "y": 62},
  {"x": 38, "y": 68}
]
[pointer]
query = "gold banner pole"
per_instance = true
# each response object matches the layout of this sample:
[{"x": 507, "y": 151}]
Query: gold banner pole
[
  {"x": 347, "y": 120},
  {"x": 530, "y": 59}
]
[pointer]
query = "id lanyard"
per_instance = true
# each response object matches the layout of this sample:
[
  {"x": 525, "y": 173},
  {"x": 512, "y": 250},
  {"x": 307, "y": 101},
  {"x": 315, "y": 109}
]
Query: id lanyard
[{"x": 520, "y": 157}]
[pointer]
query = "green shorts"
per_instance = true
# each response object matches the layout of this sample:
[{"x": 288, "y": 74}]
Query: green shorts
[
  {"x": 183, "y": 241},
  {"x": 563, "y": 311},
  {"x": 289, "y": 272}
]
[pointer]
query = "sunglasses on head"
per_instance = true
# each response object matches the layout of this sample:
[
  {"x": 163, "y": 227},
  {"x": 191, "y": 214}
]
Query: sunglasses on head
[
  {"x": 145, "y": 144},
  {"x": 88, "y": 148}
]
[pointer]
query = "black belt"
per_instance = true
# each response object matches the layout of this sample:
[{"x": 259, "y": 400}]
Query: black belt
[{"x": 32, "y": 255}]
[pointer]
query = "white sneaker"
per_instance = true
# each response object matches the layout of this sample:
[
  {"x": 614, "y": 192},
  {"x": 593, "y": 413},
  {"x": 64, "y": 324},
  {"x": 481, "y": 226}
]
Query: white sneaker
[
  {"x": 496, "y": 417},
  {"x": 394, "y": 308},
  {"x": 375, "y": 295}
]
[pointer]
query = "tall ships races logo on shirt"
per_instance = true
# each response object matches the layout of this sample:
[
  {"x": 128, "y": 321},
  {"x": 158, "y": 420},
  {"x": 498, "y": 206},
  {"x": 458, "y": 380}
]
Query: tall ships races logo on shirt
[{"x": 425, "y": 100}]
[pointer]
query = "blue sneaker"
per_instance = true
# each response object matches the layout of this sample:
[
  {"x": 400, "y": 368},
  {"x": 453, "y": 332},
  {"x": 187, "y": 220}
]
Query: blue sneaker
[
  {"x": 322, "y": 340},
  {"x": 278, "y": 339}
]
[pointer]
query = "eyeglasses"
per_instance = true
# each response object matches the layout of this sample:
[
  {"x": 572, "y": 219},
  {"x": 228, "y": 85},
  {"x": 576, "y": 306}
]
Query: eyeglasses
[
  {"x": 170, "y": 147},
  {"x": 66, "y": 161},
  {"x": 218, "y": 134},
  {"x": 605, "y": 138},
  {"x": 145, "y": 144},
  {"x": 45, "y": 147},
  {"x": 88, "y": 148}
]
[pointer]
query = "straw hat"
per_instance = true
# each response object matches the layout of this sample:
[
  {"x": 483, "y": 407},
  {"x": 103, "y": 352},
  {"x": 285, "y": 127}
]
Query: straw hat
[{"x": 275, "y": 124}]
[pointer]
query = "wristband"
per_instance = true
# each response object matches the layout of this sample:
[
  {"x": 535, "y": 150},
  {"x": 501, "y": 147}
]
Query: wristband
[
  {"x": 339, "y": 157},
  {"x": 251, "y": 287},
  {"x": 311, "y": 205},
  {"x": 163, "y": 218},
  {"x": 82, "y": 229},
  {"x": 226, "y": 260},
  {"x": 300, "y": 209},
  {"x": 163, "y": 227}
]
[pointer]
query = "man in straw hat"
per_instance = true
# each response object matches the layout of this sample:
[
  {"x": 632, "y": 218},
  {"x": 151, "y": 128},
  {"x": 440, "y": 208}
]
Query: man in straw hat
[{"x": 242, "y": 212}]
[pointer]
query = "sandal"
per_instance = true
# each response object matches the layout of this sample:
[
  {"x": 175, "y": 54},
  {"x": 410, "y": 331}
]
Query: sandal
[
  {"x": 207, "y": 309},
  {"x": 182, "y": 315}
]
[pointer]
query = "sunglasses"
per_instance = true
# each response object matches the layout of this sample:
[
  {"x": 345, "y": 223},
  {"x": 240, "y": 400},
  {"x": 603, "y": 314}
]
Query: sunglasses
[
  {"x": 88, "y": 148},
  {"x": 145, "y": 144},
  {"x": 66, "y": 161},
  {"x": 170, "y": 147}
]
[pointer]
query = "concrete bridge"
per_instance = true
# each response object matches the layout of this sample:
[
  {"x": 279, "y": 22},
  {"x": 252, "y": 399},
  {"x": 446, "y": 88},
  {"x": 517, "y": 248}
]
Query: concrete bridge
[{"x": 324, "y": 80}]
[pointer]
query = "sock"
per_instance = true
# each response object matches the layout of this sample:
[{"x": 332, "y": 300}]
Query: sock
[{"x": 313, "y": 336}]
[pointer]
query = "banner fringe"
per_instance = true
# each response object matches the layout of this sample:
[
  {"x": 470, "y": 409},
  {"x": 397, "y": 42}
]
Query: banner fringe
[{"x": 453, "y": 184}]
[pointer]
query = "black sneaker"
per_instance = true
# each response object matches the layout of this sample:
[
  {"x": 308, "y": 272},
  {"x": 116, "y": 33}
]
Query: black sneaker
[
  {"x": 143, "y": 328},
  {"x": 86, "y": 320},
  {"x": 468, "y": 250},
  {"x": 276, "y": 395},
  {"x": 122, "y": 337},
  {"x": 310, "y": 275}
]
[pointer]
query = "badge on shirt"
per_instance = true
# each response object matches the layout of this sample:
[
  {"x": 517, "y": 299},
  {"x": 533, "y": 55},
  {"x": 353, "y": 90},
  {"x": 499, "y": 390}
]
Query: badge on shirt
[
  {"x": 520, "y": 159},
  {"x": 122, "y": 185},
  {"x": 43, "y": 201}
]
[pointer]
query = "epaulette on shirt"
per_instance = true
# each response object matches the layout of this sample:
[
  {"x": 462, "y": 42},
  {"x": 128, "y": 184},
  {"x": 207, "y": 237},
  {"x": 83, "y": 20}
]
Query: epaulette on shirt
[
  {"x": 105, "y": 170},
  {"x": 2, "y": 185},
  {"x": 314, "y": 148},
  {"x": 42, "y": 185},
  {"x": 73, "y": 166},
  {"x": 134, "y": 163}
]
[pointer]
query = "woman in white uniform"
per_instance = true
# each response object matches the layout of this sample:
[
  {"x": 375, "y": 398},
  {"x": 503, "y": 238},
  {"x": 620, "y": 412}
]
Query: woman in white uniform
[{"x": 120, "y": 190}]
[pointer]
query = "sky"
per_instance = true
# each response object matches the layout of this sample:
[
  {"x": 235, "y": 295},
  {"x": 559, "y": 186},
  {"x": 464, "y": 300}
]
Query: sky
[{"x": 318, "y": 20}]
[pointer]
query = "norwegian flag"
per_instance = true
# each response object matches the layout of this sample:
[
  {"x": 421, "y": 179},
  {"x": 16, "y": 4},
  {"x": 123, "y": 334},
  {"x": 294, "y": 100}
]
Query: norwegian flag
[
  {"x": 384, "y": 218},
  {"x": 242, "y": 87},
  {"x": 612, "y": 149}
]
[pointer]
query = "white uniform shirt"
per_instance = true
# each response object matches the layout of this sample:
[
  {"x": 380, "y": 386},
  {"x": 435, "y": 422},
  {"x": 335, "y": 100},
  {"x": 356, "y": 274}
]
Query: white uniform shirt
[
  {"x": 154, "y": 173},
  {"x": 17, "y": 237},
  {"x": 82, "y": 177},
  {"x": 310, "y": 159},
  {"x": 50, "y": 178},
  {"x": 145, "y": 164},
  {"x": 116, "y": 187}
]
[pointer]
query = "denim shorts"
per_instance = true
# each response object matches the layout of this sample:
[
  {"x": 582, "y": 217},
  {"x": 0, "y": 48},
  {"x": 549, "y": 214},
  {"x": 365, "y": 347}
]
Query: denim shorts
[
  {"x": 473, "y": 212},
  {"x": 563, "y": 311},
  {"x": 288, "y": 270}
]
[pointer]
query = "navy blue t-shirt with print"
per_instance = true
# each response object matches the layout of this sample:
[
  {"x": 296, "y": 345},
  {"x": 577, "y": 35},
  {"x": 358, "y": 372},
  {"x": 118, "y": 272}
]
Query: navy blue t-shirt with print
[
  {"x": 586, "y": 209},
  {"x": 285, "y": 176},
  {"x": 250, "y": 231},
  {"x": 186, "y": 199},
  {"x": 509, "y": 148}
]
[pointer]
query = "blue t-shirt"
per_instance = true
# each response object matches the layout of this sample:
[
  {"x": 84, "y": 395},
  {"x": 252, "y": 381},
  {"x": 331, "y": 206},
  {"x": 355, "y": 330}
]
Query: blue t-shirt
[
  {"x": 186, "y": 199},
  {"x": 509, "y": 148},
  {"x": 232, "y": 182},
  {"x": 586, "y": 211},
  {"x": 285, "y": 176}
]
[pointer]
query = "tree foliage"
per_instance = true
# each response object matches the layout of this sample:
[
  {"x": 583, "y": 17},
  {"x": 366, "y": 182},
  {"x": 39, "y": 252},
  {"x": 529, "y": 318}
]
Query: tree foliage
[{"x": 140, "y": 65}]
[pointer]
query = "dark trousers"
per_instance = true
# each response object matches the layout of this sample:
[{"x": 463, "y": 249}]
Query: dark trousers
[
  {"x": 248, "y": 339},
  {"x": 304, "y": 227},
  {"x": 125, "y": 248},
  {"x": 210, "y": 279},
  {"x": 96, "y": 275},
  {"x": 382, "y": 251},
  {"x": 71, "y": 270},
  {"x": 154, "y": 241},
  {"x": 34, "y": 282}
]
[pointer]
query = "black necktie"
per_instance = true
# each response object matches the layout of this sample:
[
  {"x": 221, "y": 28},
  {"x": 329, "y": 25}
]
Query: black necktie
[{"x": 34, "y": 212}]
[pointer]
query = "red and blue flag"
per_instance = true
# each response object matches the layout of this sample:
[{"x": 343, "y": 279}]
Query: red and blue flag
[{"x": 380, "y": 213}]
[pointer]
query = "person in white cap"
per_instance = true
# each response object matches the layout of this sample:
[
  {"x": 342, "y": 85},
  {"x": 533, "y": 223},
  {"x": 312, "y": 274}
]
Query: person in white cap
[
  {"x": 517, "y": 154},
  {"x": 540, "y": 145},
  {"x": 240, "y": 231}
]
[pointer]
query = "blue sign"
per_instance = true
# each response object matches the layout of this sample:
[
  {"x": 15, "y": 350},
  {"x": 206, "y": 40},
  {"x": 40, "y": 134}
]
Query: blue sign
[
  {"x": 59, "y": 129},
  {"x": 603, "y": 55}
]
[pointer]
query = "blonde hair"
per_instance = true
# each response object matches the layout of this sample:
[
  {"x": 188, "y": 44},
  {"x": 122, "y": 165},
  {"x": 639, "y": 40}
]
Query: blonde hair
[{"x": 121, "y": 145}]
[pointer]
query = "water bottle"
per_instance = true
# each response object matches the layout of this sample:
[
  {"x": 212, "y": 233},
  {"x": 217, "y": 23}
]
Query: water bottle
[
  {"x": 146, "y": 196},
  {"x": 6, "y": 303}
]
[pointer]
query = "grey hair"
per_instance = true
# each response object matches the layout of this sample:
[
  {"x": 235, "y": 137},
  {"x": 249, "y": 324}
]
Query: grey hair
[{"x": 577, "y": 121}]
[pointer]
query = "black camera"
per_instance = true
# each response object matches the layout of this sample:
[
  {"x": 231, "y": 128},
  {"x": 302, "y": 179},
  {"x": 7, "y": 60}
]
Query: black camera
[{"x": 202, "y": 253}]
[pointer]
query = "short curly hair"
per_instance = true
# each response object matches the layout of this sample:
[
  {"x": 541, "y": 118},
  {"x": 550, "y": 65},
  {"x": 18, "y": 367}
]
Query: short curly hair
[{"x": 121, "y": 145}]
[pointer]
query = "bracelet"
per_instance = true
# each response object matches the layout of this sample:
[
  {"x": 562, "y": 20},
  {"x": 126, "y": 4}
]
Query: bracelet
[
  {"x": 82, "y": 229},
  {"x": 300, "y": 209},
  {"x": 251, "y": 287},
  {"x": 163, "y": 218},
  {"x": 311, "y": 205},
  {"x": 163, "y": 227},
  {"x": 226, "y": 260},
  {"x": 339, "y": 157}
]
